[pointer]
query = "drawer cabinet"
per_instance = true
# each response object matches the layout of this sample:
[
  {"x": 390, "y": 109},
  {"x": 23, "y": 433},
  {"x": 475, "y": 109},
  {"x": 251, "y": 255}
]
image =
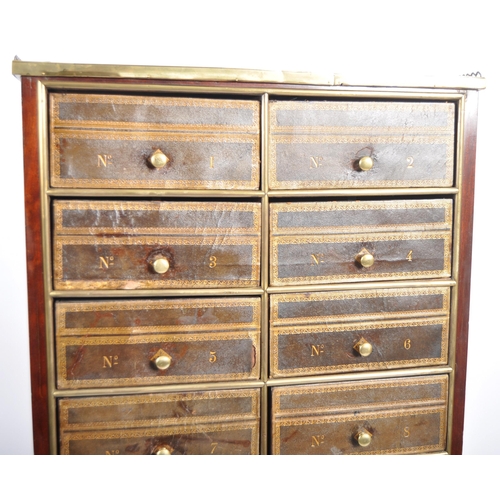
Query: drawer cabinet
[
  {"x": 225, "y": 264},
  {"x": 130, "y": 343},
  {"x": 396, "y": 416},
  {"x": 322, "y": 144},
  {"x": 153, "y": 142},
  {"x": 359, "y": 241},
  {"x": 167, "y": 424},
  {"x": 151, "y": 245}
]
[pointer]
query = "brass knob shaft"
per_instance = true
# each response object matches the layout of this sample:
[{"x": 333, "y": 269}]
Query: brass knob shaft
[
  {"x": 158, "y": 159},
  {"x": 364, "y": 348},
  {"x": 163, "y": 362},
  {"x": 363, "y": 437},
  {"x": 161, "y": 265},
  {"x": 365, "y": 163},
  {"x": 365, "y": 258}
]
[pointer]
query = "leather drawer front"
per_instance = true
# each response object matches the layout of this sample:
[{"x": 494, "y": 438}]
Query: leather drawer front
[
  {"x": 402, "y": 416},
  {"x": 319, "y": 144},
  {"x": 314, "y": 243},
  {"x": 119, "y": 343},
  {"x": 358, "y": 305},
  {"x": 115, "y": 245},
  {"x": 102, "y": 141},
  {"x": 211, "y": 422},
  {"x": 331, "y": 348}
]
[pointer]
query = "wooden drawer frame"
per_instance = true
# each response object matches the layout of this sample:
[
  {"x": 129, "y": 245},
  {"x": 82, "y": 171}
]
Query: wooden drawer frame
[{"x": 39, "y": 79}]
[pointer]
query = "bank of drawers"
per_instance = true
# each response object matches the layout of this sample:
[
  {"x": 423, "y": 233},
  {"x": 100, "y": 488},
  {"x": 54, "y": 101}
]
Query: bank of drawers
[{"x": 211, "y": 243}]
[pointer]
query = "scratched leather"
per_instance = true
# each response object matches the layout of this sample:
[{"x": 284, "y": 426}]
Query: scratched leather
[{"x": 185, "y": 423}]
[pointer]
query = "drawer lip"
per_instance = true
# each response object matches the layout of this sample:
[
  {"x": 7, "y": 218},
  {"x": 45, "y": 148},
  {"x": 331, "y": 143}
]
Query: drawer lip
[
  {"x": 64, "y": 307},
  {"x": 276, "y": 241},
  {"x": 360, "y": 315},
  {"x": 277, "y": 372},
  {"x": 361, "y": 206},
  {"x": 352, "y": 386},
  {"x": 134, "y": 381},
  {"x": 145, "y": 101},
  {"x": 160, "y": 207},
  {"x": 213, "y": 395}
]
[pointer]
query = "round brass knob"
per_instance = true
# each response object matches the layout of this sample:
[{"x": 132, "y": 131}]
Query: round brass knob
[
  {"x": 364, "y": 348},
  {"x": 365, "y": 163},
  {"x": 158, "y": 159},
  {"x": 163, "y": 362},
  {"x": 364, "y": 438},
  {"x": 163, "y": 451},
  {"x": 161, "y": 265},
  {"x": 365, "y": 258}
]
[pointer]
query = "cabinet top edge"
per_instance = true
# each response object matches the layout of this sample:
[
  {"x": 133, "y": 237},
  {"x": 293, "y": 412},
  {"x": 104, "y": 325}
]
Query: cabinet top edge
[{"x": 48, "y": 69}]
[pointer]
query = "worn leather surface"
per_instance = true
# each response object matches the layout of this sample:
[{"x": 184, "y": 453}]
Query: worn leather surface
[
  {"x": 211, "y": 422},
  {"x": 115, "y": 343},
  {"x": 100, "y": 141},
  {"x": 318, "y": 144},
  {"x": 113, "y": 245},
  {"x": 402, "y": 416}
]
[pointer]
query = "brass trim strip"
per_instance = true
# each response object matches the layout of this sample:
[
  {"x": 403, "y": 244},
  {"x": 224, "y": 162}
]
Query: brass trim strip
[
  {"x": 153, "y": 293},
  {"x": 42, "y": 96},
  {"x": 361, "y": 286},
  {"x": 350, "y": 192},
  {"x": 28, "y": 68},
  {"x": 375, "y": 375},
  {"x": 156, "y": 193},
  {"x": 200, "y": 386},
  {"x": 436, "y": 94},
  {"x": 456, "y": 260}
]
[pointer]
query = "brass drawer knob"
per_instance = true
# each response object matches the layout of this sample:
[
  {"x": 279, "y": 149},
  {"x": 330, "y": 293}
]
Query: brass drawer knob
[
  {"x": 363, "y": 347},
  {"x": 363, "y": 437},
  {"x": 365, "y": 163},
  {"x": 158, "y": 159},
  {"x": 365, "y": 258},
  {"x": 163, "y": 451},
  {"x": 163, "y": 362},
  {"x": 161, "y": 265}
]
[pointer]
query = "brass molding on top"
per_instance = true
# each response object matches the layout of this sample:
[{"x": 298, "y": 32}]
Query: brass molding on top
[{"x": 48, "y": 69}]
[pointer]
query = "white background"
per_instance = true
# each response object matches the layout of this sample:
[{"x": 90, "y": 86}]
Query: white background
[{"x": 384, "y": 37}]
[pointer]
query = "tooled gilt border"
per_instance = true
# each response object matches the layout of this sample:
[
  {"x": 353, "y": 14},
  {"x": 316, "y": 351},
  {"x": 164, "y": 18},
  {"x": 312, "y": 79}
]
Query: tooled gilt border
[
  {"x": 277, "y": 208},
  {"x": 280, "y": 392},
  {"x": 63, "y": 342},
  {"x": 107, "y": 284},
  {"x": 274, "y": 183},
  {"x": 447, "y": 110},
  {"x": 71, "y": 404},
  {"x": 58, "y": 181},
  {"x": 297, "y": 240},
  {"x": 277, "y": 299},
  {"x": 60, "y": 206},
  {"x": 441, "y": 411},
  {"x": 157, "y": 102},
  {"x": 253, "y": 426},
  {"x": 276, "y": 372},
  {"x": 62, "y": 308}
]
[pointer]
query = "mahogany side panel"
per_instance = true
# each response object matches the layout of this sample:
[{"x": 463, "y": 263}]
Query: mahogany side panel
[
  {"x": 465, "y": 253},
  {"x": 36, "y": 297}
]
